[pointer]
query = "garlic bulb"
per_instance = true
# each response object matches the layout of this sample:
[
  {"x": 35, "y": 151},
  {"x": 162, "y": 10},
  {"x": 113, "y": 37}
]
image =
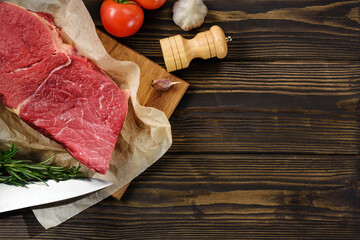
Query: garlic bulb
[{"x": 189, "y": 14}]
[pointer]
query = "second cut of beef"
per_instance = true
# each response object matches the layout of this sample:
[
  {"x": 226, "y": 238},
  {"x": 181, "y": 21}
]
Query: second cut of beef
[{"x": 55, "y": 90}]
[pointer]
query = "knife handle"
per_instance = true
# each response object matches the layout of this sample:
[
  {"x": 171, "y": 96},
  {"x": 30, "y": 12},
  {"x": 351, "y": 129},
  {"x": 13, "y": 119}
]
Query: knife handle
[{"x": 178, "y": 52}]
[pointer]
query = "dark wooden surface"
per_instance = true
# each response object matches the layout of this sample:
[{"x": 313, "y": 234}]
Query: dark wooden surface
[{"x": 266, "y": 141}]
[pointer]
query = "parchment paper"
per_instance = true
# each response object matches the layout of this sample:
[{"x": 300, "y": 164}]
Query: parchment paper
[{"x": 146, "y": 134}]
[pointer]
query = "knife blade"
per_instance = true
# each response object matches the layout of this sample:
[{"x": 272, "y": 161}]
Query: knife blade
[{"x": 15, "y": 197}]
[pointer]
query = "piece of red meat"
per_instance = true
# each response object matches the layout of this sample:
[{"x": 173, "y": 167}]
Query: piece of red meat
[
  {"x": 59, "y": 93},
  {"x": 20, "y": 84}
]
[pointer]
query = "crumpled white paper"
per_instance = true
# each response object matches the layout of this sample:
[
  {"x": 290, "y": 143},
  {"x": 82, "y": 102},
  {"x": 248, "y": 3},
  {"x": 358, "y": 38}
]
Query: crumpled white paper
[{"x": 146, "y": 134}]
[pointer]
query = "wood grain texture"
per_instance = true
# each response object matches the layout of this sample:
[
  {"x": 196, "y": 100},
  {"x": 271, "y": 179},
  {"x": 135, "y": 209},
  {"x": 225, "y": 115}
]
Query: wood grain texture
[
  {"x": 265, "y": 142},
  {"x": 262, "y": 107},
  {"x": 232, "y": 196},
  {"x": 263, "y": 30}
]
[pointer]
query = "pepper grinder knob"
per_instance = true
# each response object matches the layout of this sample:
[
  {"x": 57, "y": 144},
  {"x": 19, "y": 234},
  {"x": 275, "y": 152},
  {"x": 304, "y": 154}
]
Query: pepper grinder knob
[{"x": 178, "y": 52}]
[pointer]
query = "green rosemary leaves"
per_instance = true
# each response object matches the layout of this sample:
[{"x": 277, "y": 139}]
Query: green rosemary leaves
[{"x": 21, "y": 172}]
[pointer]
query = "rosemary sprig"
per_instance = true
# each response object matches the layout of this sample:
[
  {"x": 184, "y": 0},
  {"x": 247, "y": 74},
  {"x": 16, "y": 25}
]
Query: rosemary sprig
[{"x": 21, "y": 172}]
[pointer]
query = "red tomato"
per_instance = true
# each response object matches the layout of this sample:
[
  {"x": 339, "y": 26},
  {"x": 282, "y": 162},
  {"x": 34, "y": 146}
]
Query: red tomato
[
  {"x": 121, "y": 18},
  {"x": 151, "y": 4}
]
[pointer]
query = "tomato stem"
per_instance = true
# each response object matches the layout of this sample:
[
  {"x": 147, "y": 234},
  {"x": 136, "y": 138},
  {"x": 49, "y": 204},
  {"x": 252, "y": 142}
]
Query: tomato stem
[{"x": 124, "y": 1}]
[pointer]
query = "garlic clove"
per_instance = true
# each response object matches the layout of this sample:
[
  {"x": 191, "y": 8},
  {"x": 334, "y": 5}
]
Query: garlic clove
[
  {"x": 189, "y": 14},
  {"x": 162, "y": 84}
]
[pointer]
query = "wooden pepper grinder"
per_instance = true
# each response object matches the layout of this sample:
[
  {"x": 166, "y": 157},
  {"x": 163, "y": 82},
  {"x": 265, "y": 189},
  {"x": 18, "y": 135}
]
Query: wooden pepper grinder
[{"x": 178, "y": 52}]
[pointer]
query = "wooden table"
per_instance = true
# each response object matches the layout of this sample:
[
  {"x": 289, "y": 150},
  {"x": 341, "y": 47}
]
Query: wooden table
[{"x": 266, "y": 141}]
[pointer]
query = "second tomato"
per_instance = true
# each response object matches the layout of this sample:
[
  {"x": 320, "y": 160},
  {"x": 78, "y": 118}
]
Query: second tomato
[
  {"x": 151, "y": 4},
  {"x": 121, "y": 18}
]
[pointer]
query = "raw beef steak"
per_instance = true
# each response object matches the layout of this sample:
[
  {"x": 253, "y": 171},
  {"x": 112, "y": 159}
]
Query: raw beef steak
[{"x": 55, "y": 90}]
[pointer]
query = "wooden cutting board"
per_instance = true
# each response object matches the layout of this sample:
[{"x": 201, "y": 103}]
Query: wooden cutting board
[{"x": 149, "y": 70}]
